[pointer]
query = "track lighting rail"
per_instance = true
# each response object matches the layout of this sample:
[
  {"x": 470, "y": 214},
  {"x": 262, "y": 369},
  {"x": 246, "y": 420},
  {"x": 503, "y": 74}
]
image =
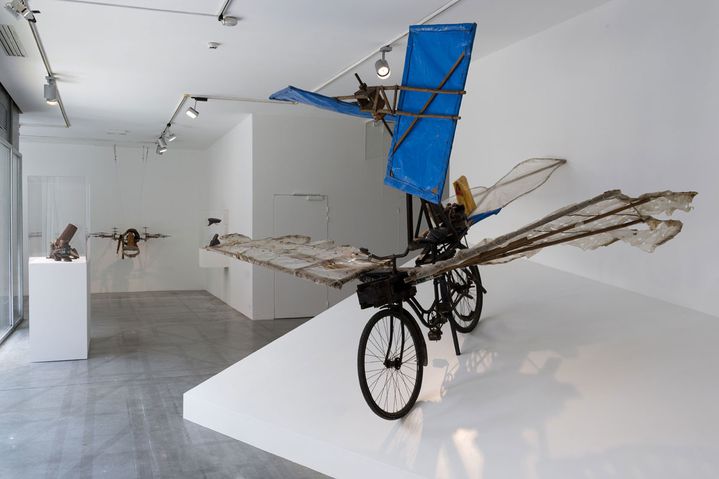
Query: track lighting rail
[
  {"x": 32, "y": 23},
  {"x": 203, "y": 98}
]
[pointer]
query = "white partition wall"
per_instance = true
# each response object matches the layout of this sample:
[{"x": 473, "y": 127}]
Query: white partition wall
[{"x": 338, "y": 159}]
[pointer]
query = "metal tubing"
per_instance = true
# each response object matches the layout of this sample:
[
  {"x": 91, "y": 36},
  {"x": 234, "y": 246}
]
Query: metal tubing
[
  {"x": 421, "y": 115},
  {"x": 410, "y": 219}
]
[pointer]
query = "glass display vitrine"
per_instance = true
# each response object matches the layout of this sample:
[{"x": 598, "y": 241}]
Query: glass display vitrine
[{"x": 53, "y": 203}]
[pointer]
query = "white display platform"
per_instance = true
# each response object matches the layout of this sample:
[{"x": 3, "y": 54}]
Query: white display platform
[
  {"x": 210, "y": 259},
  {"x": 59, "y": 309},
  {"x": 565, "y": 378}
]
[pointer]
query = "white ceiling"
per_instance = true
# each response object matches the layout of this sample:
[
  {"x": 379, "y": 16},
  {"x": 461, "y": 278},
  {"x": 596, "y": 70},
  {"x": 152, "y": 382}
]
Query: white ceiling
[{"x": 123, "y": 70}]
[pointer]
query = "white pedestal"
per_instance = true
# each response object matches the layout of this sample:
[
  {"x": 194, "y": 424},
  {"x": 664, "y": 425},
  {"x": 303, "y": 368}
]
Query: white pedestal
[
  {"x": 210, "y": 259},
  {"x": 564, "y": 378},
  {"x": 59, "y": 309}
]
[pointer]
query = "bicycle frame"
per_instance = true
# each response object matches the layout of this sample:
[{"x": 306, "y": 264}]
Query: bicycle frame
[{"x": 390, "y": 291}]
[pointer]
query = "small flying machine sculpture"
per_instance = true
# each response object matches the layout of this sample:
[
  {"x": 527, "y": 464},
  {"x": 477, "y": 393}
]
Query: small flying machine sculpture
[
  {"x": 128, "y": 243},
  {"x": 425, "y": 110},
  {"x": 60, "y": 249}
]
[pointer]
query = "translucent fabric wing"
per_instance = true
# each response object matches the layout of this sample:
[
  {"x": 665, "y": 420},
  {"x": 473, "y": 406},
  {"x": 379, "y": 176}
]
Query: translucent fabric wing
[
  {"x": 600, "y": 221},
  {"x": 524, "y": 178},
  {"x": 597, "y": 222},
  {"x": 322, "y": 262}
]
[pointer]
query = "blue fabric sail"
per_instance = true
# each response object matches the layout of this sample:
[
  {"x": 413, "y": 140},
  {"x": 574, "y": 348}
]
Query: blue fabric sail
[
  {"x": 474, "y": 219},
  {"x": 305, "y": 97},
  {"x": 418, "y": 160},
  {"x": 419, "y": 164}
]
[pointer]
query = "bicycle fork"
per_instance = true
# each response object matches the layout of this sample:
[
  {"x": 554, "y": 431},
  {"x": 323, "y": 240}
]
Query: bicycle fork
[
  {"x": 444, "y": 311},
  {"x": 394, "y": 362}
]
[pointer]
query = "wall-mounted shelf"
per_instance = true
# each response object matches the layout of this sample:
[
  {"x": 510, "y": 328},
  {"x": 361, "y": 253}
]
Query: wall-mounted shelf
[{"x": 210, "y": 259}]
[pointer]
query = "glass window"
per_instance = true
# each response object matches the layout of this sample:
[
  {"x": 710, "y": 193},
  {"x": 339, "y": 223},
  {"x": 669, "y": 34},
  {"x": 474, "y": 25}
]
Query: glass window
[{"x": 17, "y": 239}]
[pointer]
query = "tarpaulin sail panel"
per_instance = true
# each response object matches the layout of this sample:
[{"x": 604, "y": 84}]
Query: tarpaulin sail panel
[
  {"x": 305, "y": 97},
  {"x": 419, "y": 164}
]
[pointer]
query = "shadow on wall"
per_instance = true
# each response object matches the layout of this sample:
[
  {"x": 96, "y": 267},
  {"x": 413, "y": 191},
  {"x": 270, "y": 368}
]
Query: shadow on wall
[
  {"x": 112, "y": 273},
  {"x": 109, "y": 273}
]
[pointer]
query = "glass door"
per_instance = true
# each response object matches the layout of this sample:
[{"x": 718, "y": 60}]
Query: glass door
[{"x": 6, "y": 260}]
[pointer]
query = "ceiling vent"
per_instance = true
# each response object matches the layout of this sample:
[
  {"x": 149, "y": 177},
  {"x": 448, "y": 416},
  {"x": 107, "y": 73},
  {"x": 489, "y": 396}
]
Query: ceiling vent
[{"x": 10, "y": 42}]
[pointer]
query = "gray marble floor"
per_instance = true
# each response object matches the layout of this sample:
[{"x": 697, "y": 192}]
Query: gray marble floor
[{"x": 119, "y": 414}]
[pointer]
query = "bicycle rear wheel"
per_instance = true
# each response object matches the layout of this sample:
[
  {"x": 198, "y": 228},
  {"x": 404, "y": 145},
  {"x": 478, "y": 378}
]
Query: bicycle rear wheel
[
  {"x": 467, "y": 294},
  {"x": 389, "y": 364}
]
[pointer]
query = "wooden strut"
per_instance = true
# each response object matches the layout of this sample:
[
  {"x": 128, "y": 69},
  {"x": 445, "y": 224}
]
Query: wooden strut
[
  {"x": 396, "y": 88},
  {"x": 429, "y": 102},
  {"x": 506, "y": 251},
  {"x": 527, "y": 244},
  {"x": 572, "y": 238},
  {"x": 419, "y": 115}
]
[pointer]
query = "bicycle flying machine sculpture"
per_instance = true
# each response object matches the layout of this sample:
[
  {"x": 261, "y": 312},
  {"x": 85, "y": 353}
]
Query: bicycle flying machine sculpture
[{"x": 424, "y": 110}]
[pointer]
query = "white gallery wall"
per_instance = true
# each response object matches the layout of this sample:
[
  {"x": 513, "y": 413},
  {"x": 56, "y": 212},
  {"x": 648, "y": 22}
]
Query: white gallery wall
[
  {"x": 627, "y": 93},
  {"x": 165, "y": 193},
  {"x": 229, "y": 174},
  {"x": 295, "y": 154},
  {"x": 271, "y": 157}
]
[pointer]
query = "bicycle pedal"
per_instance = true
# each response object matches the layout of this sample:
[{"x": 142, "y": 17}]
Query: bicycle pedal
[{"x": 434, "y": 334}]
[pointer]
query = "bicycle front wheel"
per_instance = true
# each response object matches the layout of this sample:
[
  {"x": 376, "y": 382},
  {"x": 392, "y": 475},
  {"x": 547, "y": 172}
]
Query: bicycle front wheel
[{"x": 389, "y": 365}]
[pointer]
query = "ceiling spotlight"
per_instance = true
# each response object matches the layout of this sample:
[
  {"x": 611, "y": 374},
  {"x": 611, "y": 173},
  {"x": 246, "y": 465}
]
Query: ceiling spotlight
[
  {"x": 381, "y": 66},
  {"x": 21, "y": 8},
  {"x": 228, "y": 21},
  {"x": 160, "y": 150},
  {"x": 192, "y": 111},
  {"x": 50, "y": 90},
  {"x": 170, "y": 136},
  {"x": 162, "y": 143}
]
